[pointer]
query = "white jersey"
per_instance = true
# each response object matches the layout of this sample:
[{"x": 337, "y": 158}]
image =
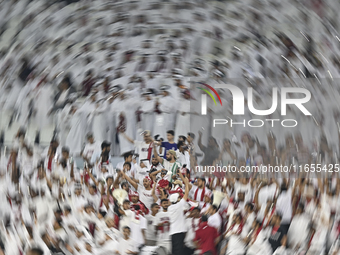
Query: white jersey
[
  {"x": 136, "y": 230},
  {"x": 163, "y": 232},
  {"x": 127, "y": 245},
  {"x": 145, "y": 196},
  {"x": 142, "y": 149},
  {"x": 151, "y": 230},
  {"x": 89, "y": 149},
  {"x": 126, "y": 219},
  {"x": 192, "y": 226}
]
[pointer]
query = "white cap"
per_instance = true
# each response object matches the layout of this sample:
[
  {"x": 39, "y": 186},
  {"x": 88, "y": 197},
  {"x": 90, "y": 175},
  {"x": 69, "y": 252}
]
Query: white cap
[{"x": 173, "y": 198}]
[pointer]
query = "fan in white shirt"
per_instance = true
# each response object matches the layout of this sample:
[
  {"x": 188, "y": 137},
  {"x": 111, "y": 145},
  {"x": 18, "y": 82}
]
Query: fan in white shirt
[
  {"x": 299, "y": 229},
  {"x": 235, "y": 233},
  {"x": 89, "y": 248},
  {"x": 78, "y": 201},
  {"x": 162, "y": 226},
  {"x": 127, "y": 246},
  {"x": 108, "y": 244},
  {"x": 193, "y": 221},
  {"x": 145, "y": 191},
  {"x": 177, "y": 218},
  {"x": 142, "y": 170},
  {"x": 102, "y": 156},
  {"x": 126, "y": 215},
  {"x": 143, "y": 148},
  {"x": 243, "y": 186},
  {"x": 90, "y": 148},
  {"x": 151, "y": 233},
  {"x": 284, "y": 204},
  {"x": 93, "y": 197},
  {"x": 127, "y": 168},
  {"x": 198, "y": 191},
  {"x": 68, "y": 219},
  {"x": 214, "y": 219},
  {"x": 138, "y": 227},
  {"x": 70, "y": 164},
  {"x": 258, "y": 243},
  {"x": 127, "y": 159},
  {"x": 249, "y": 216},
  {"x": 183, "y": 155}
]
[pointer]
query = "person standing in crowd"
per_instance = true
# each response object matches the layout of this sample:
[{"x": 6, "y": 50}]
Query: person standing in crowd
[
  {"x": 192, "y": 149},
  {"x": 127, "y": 246},
  {"x": 127, "y": 161},
  {"x": 162, "y": 226},
  {"x": 214, "y": 219},
  {"x": 177, "y": 218},
  {"x": 199, "y": 190},
  {"x": 183, "y": 154},
  {"x": 170, "y": 144},
  {"x": 88, "y": 83},
  {"x": 211, "y": 151},
  {"x": 277, "y": 232},
  {"x": 227, "y": 155},
  {"x": 284, "y": 206},
  {"x": 143, "y": 148},
  {"x": 170, "y": 163},
  {"x": 165, "y": 108},
  {"x": 206, "y": 238},
  {"x": 144, "y": 190},
  {"x": 91, "y": 147},
  {"x": 151, "y": 232},
  {"x": 103, "y": 155}
]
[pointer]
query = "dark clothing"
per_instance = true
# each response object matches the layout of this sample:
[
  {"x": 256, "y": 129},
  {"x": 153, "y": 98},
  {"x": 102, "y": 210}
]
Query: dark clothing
[
  {"x": 206, "y": 237},
  {"x": 177, "y": 241},
  {"x": 285, "y": 228},
  {"x": 168, "y": 146},
  {"x": 24, "y": 73},
  {"x": 188, "y": 251},
  {"x": 67, "y": 101},
  {"x": 210, "y": 154},
  {"x": 276, "y": 237},
  {"x": 87, "y": 85}
]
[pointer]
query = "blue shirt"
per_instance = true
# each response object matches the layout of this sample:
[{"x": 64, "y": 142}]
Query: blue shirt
[{"x": 168, "y": 146}]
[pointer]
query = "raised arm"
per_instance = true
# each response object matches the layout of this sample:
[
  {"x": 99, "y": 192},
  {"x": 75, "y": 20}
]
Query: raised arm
[
  {"x": 117, "y": 181},
  {"x": 258, "y": 145},
  {"x": 219, "y": 157},
  {"x": 48, "y": 181},
  {"x": 93, "y": 179},
  {"x": 153, "y": 175},
  {"x": 186, "y": 183},
  {"x": 134, "y": 184},
  {"x": 202, "y": 147},
  {"x": 256, "y": 198},
  {"x": 160, "y": 160},
  {"x": 155, "y": 198},
  {"x": 72, "y": 171},
  {"x": 128, "y": 138}
]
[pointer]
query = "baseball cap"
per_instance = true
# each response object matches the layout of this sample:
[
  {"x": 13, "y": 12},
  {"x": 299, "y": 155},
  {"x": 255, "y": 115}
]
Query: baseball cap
[
  {"x": 173, "y": 153},
  {"x": 174, "y": 197}
]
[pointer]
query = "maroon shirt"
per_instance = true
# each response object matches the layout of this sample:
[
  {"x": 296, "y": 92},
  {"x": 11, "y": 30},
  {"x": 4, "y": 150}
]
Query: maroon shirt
[
  {"x": 87, "y": 85},
  {"x": 206, "y": 236}
]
